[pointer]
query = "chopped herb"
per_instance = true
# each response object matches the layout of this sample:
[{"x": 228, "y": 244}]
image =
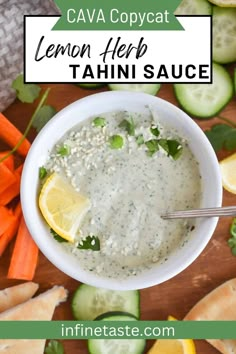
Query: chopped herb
[
  {"x": 140, "y": 139},
  {"x": 222, "y": 136},
  {"x": 54, "y": 347},
  {"x": 172, "y": 147},
  {"x": 25, "y": 92},
  {"x": 43, "y": 116},
  {"x": 42, "y": 172},
  {"x": 155, "y": 131},
  {"x": 64, "y": 150},
  {"x": 57, "y": 237},
  {"x": 99, "y": 122},
  {"x": 128, "y": 125},
  {"x": 152, "y": 146},
  {"x": 164, "y": 144},
  {"x": 175, "y": 149},
  {"x": 116, "y": 142},
  {"x": 232, "y": 239},
  {"x": 233, "y": 228},
  {"x": 90, "y": 243}
]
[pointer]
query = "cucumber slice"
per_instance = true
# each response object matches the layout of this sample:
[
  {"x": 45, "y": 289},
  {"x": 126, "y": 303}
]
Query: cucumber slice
[
  {"x": 206, "y": 100},
  {"x": 89, "y": 302},
  {"x": 117, "y": 346},
  {"x": 224, "y": 34},
  {"x": 109, "y": 314},
  {"x": 194, "y": 7},
  {"x": 224, "y": 3},
  {"x": 152, "y": 89},
  {"x": 90, "y": 86}
]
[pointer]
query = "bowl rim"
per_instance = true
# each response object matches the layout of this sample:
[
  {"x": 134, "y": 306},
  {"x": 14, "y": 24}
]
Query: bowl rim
[{"x": 29, "y": 204}]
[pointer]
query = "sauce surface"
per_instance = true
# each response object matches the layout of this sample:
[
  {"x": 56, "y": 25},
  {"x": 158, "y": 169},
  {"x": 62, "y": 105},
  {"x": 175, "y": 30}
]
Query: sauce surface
[{"x": 128, "y": 190}]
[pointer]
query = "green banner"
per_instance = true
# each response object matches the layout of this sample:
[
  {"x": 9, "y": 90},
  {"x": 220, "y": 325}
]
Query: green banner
[
  {"x": 117, "y": 329},
  {"x": 117, "y": 15}
]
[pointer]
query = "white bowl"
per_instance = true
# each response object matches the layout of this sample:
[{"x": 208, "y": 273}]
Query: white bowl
[{"x": 95, "y": 105}]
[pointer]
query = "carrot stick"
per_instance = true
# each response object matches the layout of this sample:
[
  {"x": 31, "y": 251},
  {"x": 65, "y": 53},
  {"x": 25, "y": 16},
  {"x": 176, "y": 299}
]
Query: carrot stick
[
  {"x": 25, "y": 255},
  {"x": 11, "y": 135},
  {"x": 7, "y": 178},
  {"x": 9, "y": 162},
  {"x": 13, "y": 190},
  {"x": 19, "y": 169},
  {"x": 8, "y": 235},
  {"x": 6, "y": 218}
]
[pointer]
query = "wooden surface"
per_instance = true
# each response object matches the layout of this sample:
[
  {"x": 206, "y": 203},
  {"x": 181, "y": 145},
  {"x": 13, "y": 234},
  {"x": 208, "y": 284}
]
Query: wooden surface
[{"x": 176, "y": 296}]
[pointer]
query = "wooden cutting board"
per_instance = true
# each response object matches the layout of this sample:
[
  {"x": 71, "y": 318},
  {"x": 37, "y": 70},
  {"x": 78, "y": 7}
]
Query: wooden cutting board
[{"x": 215, "y": 265}]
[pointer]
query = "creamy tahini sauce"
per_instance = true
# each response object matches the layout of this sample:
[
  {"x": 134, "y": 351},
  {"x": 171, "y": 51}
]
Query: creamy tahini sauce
[{"x": 128, "y": 190}]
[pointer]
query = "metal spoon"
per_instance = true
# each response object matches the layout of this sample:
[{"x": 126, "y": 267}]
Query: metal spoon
[{"x": 199, "y": 213}]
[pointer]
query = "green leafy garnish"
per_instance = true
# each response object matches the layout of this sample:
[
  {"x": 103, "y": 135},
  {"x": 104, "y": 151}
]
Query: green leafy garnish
[
  {"x": 233, "y": 228},
  {"x": 99, "y": 122},
  {"x": 54, "y": 347},
  {"x": 64, "y": 150},
  {"x": 222, "y": 136},
  {"x": 164, "y": 144},
  {"x": 25, "y": 92},
  {"x": 44, "y": 115},
  {"x": 139, "y": 139},
  {"x": 175, "y": 149},
  {"x": 42, "y": 172},
  {"x": 90, "y": 243},
  {"x": 155, "y": 131},
  {"x": 232, "y": 239},
  {"x": 116, "y": 142},
  {"x": 57, "y": 237},
  {"x": 152, "y": 146},
  {"x": 128, "y": 125},
  {"x": 172, "y": 147}
]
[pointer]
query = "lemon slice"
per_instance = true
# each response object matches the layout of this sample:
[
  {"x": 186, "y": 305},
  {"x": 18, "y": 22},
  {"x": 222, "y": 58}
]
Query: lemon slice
[
  {"x": 228, "y": 172},
  {"x": 62, "y": 207},
  {"x": 173, "y": 346}
]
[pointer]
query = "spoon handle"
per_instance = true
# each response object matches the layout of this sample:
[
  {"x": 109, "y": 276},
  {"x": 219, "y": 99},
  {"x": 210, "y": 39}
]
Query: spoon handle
[{"x": 197, "y": 213}]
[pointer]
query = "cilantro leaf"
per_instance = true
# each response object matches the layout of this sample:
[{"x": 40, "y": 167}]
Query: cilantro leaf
[
  {"x": 230, "y": 142},
  {"x": 90, "y": 243},
  {"x": 164, "y": 144},
  {"x": 233, "y": 228},
  {"x": 222, "y": 136},
  {"x": 64, "y": 150},
  {"x": 154, "y": 130},
  {"x": 25, "y": 92},
  {"x": 54, "y": 347},
  {"x": 175, "y": 149},
  {"x": 139, "y": 139},
  {"x": 116, "y": 142},
  {"x": 57, "y": 237},
  {"x": 152, "y": 146},
  {"x": 99, "y": 122},
  {"x": 128, "y": 125},
  {"x": 43, "y": 116},
  {"x": 172, "y": 147},
  {"x": 42, "y": 172}
]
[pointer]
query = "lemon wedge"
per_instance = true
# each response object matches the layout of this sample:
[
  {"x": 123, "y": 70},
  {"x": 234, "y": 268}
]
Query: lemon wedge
[
  {"x": 62, "y": 207},
  {"x": 228, "y": 172},
  {"x": 224, "y": 3},
  {"x": 173, "y": 346}
]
